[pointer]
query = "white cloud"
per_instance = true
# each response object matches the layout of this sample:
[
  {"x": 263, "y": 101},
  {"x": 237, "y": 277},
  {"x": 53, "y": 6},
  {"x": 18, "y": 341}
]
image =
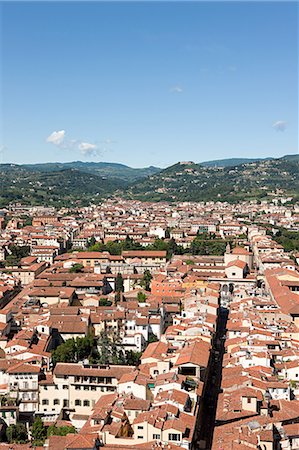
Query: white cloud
[
  {"x": 85, "y": 146},
  {"x": 88, "y": 149},
  {"x": 56, "y": 137},
  {"x": 176, "y": 89},
  {"x": 279, "y": 125},
  {"x": 108, "y": 141}
]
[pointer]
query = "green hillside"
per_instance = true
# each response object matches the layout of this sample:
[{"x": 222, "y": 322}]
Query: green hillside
[
  {"x": 104, "y": 169},
  {"x": 64, "y": 187},
  {"x": 56, "y": 185},
  {"x": 194, "y": 182}
]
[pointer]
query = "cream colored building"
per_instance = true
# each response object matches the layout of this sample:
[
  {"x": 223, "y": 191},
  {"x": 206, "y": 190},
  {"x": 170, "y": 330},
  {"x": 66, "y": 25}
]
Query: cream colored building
[{"x": 78, "y": 387}]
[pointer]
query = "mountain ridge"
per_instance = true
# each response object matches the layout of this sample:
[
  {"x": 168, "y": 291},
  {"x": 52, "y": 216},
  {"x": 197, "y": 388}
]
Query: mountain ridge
[
  {"x": 64, "y": 185},
  {"x": 188, "y": 181}
]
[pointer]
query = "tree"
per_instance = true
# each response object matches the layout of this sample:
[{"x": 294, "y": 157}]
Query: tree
[
  {"x": 141, "y": 297},
  {"x": 38, "y": 432},
  {"x": 128, "y": 244},
  {"x": 105, "y": 302},
  {"x": 201, "y": 246},
  {"x": 65, "y": 352},
  {"x": 84, "y": 347},
  {"x": 16, "y": 253},
  {"x": 27, "y": 221},
  {"x": 172, "y": 248},
  {"x": 75, "y": 350},
  {"x": 119, "y": 287},
  {"x": 119, "y": 283},
  {"x": 53, "y": 430},
  {"x": 92, "y": 241},
  {"x": 146, "y": 280},
  {"x": 17, "y": 433},
  {"x": 159, "y": 244},
  {"x": 76, "y": 268},
  {"x": 110, "y": 349},
  {"x": 133, "y": 358},
  {"x": 152, "y": 338}
]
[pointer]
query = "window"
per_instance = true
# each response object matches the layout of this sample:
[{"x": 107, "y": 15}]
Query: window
[
  {"x": 156, "y": 437},
  {"x": 140, "y": 427},
  {"x": 86, "y": 403},
  {"x": 65, "y": 386},
  {"x": 56, "y": 401},
  {"x": 173, "y": 437},
  {"x": 249, "y": 400},
  {"x": 77, "y": 402},
  {"x": 139, "y": 437},
  {"x": 45, "y": 401}
]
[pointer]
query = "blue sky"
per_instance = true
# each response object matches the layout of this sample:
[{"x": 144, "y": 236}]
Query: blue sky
[{"x": 148, "y": 83}]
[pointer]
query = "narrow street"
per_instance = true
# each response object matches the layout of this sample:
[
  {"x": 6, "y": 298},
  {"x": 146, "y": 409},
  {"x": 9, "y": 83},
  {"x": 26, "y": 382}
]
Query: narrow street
[{"x": 207, "y": 411}]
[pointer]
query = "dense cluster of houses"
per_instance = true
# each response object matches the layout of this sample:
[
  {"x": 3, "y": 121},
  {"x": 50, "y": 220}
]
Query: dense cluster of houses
[{"x": 54, "y": 295}]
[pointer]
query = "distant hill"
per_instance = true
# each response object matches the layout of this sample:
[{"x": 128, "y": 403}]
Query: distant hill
[
  {"x": 231, "y": 162},
  {"x": 291, "y": 157},
  {"x": 79, "y": 183},
  {"x": 105, "y": 169},
  {"x": 64, "y": 187},
  {"x": 196, "y": 182}
]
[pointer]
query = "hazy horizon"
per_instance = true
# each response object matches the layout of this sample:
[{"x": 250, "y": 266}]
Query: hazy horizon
[{"x": 143, "y": 167}]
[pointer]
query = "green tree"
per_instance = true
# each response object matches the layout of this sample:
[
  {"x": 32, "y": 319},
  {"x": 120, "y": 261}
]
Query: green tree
[
  {"x": 91, "y": 242},
  {"x": 38, "y": 432},
  {"x": 146, "y": 280},
  {"x": 152, "y": 338},
  {"x": 53, "y": 430},
  {"x": 201, "y": 246},
  {"x": 84, "y": 347},
  {"x": 119, "y": 283},
  {"x": 16, "y": 253},
  {"x": 105, "y": 302},
  {"x": 141, "y": 297},
  {"x": 159, "y": 244},
  {"x": 75, "y": 350},
  {"x": 65, "y": 352},
  {"x": 17, "y": 433},
  {"x": 133, "y": 358},
  {"x": 110, "y": 349},
  {"x": 76, "y": 268},
  {"x": 119, "y": 287},
  {"x": 128, "y": 244},
  {"x": 173, "y": 248}
]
